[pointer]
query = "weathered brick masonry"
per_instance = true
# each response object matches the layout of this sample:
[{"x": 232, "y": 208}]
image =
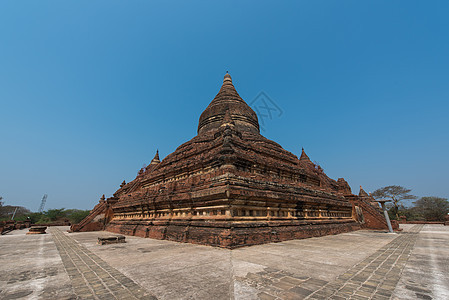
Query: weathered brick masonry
[{"x": 229, "y": 187}]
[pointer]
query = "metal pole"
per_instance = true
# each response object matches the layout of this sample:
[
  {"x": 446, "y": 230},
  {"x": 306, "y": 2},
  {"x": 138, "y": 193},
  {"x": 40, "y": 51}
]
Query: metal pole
[
  {"x": 14, "y": 214},
  {"x": 386, "y": 216}
]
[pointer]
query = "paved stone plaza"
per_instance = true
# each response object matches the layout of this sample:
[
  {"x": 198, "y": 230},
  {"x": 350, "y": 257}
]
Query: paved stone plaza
[{"x": 359, "y": 265}]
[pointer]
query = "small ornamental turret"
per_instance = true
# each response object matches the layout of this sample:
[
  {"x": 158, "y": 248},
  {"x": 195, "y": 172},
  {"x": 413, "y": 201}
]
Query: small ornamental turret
[
  {"x": 155, "y": 160},
  {"x": 362, "y": 193},
  {"x": 102, "y": 199},
  {"x": 343, "y": 186},
  {"x": 304, "y": 155},
  {"x": 123, "y": 183}
]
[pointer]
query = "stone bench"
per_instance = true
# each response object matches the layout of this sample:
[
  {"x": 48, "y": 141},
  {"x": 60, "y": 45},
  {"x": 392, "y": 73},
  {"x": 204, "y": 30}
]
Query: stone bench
[{"x": 111, "y": 240}]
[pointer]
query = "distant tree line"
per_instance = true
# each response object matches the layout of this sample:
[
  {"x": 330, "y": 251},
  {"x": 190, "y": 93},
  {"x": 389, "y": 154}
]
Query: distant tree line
[
  {"x": 424, "y": 209},
  {"x": 52, "y": 215}
]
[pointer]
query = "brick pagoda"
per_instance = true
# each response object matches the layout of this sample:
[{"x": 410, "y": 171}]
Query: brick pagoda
[{"x": 229, "y": 187}]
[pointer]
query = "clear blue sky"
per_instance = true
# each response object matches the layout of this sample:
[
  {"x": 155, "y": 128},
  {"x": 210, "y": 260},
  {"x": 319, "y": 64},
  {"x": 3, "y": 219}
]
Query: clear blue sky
[{"x": 90, "y": 89}]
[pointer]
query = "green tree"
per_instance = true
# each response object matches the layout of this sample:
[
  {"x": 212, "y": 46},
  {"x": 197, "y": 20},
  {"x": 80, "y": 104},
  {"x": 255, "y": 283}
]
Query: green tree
[
  {"x": 396, "y": 194},
  {"x": 412, "y": 213},
  {"x": 8, "y": 212},
  {"x": 432, "y": 208},
  {"x": 76, "y": 215},
  {"x": 55, "y": 214},
  {"x": 36, "y": 217}
]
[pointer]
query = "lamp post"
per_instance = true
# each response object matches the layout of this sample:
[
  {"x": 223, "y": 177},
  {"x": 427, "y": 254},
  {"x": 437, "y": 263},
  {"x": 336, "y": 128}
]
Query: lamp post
[{"x": 382, "y": 203}]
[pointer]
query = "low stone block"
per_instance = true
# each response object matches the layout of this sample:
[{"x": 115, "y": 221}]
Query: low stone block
[{"x": 111, "y": 240}]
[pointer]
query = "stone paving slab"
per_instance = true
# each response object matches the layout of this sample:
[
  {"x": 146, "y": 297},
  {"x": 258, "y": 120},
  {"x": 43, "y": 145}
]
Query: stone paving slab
[
  {"x": 31, "y": 268},
  {"x": 353, "y": 265},
  {"x": 204, "y": 270},
  {"x": 376, "y": 276},
  {"x": 426, "y": 274},
  {"x": 92, "y": 277}
]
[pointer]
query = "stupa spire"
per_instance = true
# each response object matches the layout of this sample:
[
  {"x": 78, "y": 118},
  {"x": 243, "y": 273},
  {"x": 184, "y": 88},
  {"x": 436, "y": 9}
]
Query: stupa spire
[
  {"x": 227, "y": 80},
  {"x": 304, "y": 155},
  {"x": 228, "y": 99},
  {"x": 156, "y": 159}
]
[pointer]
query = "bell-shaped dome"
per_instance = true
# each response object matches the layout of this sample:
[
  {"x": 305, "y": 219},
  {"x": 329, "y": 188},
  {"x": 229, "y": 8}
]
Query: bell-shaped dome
[{"x": 228, "y": 99}]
